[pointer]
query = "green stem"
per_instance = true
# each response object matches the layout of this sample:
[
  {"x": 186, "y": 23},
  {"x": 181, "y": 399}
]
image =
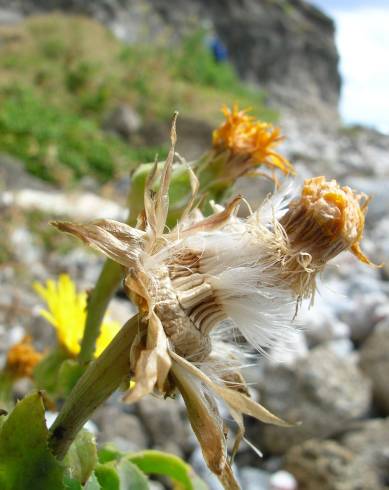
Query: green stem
[
  {"x": 106, "y": 286},
  {"x": 6, "y": 382},
  {"x": 102, "y": 377}
]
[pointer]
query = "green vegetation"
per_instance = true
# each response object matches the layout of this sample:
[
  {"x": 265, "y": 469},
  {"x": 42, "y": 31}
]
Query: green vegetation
[{"x": 60, "y": 76}]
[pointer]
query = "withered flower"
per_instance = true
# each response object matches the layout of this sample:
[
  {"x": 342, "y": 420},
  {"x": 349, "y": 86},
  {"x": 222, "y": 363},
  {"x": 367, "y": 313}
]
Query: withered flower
[
  {"x": 244, "y": 144},
  {"x": 22, "y": 358},
  {"x": 188, "y": 281}
]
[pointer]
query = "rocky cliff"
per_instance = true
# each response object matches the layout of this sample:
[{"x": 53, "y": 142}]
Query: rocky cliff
[{"x": 285, "y": 46}]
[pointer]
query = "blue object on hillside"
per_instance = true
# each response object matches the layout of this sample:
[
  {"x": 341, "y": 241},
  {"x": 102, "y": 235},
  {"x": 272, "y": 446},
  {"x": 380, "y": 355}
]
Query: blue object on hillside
[{"x": 219, "y": 50}]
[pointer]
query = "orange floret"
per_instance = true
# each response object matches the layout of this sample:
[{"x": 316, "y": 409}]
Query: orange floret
[
  {"x": 22, "y": 358},
  {"x": 246, "y": 137}
]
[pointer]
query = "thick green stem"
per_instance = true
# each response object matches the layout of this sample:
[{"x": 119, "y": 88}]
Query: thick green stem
[
  {"x": 106, "y": 286},
  {"x": 102, "y": 377}
]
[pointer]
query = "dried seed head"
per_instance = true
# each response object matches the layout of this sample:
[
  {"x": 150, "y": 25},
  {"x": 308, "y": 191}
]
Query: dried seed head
[
  {"x": 22, "y": 358},
  {"x": 326, "y": 219},
  {"x": 248, "y": 271},
  {"x": 249, "y": 143}
]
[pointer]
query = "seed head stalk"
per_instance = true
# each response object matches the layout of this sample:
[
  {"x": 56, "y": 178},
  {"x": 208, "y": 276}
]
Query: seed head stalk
[
  {"x": 107, "y": 283},
  {"x": 102, "y": 377}
]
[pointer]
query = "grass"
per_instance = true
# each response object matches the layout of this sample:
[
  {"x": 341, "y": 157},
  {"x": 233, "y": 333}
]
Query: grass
[{"x": 61, "y": 75}]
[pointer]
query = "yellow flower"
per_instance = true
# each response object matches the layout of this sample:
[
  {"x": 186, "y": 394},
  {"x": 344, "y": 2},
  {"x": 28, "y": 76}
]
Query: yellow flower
[
  {"x": 67, "y": 314},
  {"x": 251, "y": 142}
]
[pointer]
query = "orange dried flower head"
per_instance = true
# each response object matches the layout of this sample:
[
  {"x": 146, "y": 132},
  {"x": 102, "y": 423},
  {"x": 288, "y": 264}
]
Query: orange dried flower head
[
  {"x": 330, "y": 217},
  {"x": 249, "y": 141},
  {"x": 22, "y": 358}
]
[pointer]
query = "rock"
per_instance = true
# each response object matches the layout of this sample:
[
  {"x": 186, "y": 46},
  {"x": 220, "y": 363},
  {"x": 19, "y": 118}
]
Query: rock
[
  {"x": 124, "y": 430},
  {"x": 370, "y": 440},
  {"x": 326, "y": 465},
  {"x": 124, "y": 121},
  {"x": 377, "y": 188},
  {"x": 254, "y": 478},
  {"x": 282, "y": 60},
  {"x": 363, "y": 319},
  {"x": 79, "y": 263},
  {"x": 9, "y": 17},
  {"x": 323, "y": 391},
  {"x": 198, "y": 464},
  {"x": 25, "y": 249},
  {"x": 380, "y": 236},
  {"x": 288, "y": 353},
  {"x": 81, "y": 207},
  {"x": 282, "y": 480},
  {"x": 166, "y": 423},
  {"x": 341, "y": 347},
  {"x": 13, "y": 176},
  {"x": 121, "y": 310},
  {"x": 374, "y": 361},
  {"x": 320, "y": 324}
]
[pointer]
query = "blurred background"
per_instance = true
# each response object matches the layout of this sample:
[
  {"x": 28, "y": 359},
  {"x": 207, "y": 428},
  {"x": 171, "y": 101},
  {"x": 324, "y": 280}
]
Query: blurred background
[{"x": 87, "y": 89}]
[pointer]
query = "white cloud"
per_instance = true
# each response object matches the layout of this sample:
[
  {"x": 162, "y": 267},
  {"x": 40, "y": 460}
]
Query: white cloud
[{"x": 363, "y": 43}]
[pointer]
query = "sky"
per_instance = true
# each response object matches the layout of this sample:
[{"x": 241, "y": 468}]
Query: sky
[{"x": 362, "y": 38}]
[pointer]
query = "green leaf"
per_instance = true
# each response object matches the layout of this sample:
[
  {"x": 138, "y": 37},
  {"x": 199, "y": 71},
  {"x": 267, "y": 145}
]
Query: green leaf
[
  {"x": 157, "y": 462},
  {"x": 68, "y": 374},
  {"x": 131, "y": 478},
  {"x": 25, "y": 459},
  {"x": 81, "y": 458},
  {"x": 46, "y": 372},
  {"x": 92, "y": 484},
  {"x": 107, "y": 476},
  {"x": 125, "y": 476},
  {"x": 71, "y": 484},
  {"x": 109, "y": 453}
]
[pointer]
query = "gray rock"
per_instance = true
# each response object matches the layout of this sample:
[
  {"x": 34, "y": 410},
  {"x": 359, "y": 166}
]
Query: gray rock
[
  {"x": 167, "y": 424},
  {"x": 341, "y": 347},
  {"x": 323, "y": 391},
  {"x": 380, "y": 237},
  {"x": 282, "y": 480},
  {"x": 374, "y": 361},
  {"x": 326, "y": 465},
  {"x": 124, "y": 121},
  {"x": 198, "y": 464},
  {"x": 320, "y": 324},
  {"x": 79, "y": 206},
  {"x": 254, "y": 478},
  {"x": 362, "y": 319},
  {"x": 124, "y": 430},
  {"x": 370, "y": 440},
  {"x": 378, "y": 189},
  {"x": 13, "y": 175}
]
